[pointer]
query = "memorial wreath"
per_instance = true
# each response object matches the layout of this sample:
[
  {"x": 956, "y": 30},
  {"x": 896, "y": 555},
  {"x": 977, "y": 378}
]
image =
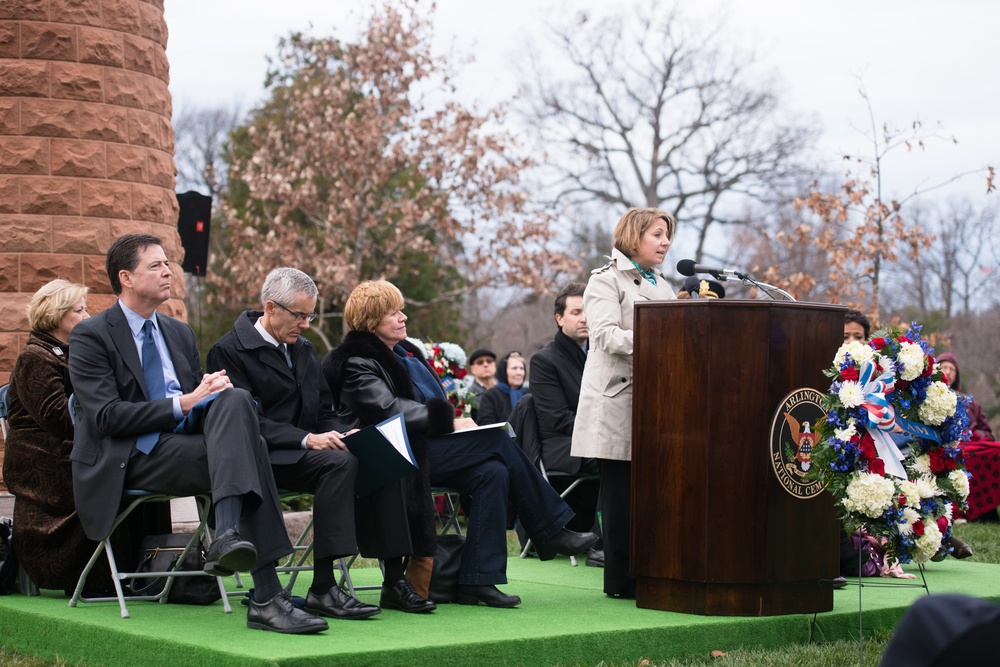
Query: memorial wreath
[
  {"x": 887, "y": 394},
  {"x": 448, "y": 361}
]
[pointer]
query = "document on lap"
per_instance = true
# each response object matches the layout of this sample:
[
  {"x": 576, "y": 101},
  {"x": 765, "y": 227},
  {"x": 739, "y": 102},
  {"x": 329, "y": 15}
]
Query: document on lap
[
  {"x": 383, "y": 453},
  {"x": 505, "y": 426}
]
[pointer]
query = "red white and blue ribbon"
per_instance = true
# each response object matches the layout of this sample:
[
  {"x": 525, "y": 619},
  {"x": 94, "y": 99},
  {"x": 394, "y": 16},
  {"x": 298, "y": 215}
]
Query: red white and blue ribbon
[{"x": 881, "y": 416}]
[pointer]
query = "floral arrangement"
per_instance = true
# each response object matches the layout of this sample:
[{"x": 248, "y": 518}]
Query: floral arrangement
[
  {"x": 888, "y": 385},
  {"x": 448, "y": 361}
]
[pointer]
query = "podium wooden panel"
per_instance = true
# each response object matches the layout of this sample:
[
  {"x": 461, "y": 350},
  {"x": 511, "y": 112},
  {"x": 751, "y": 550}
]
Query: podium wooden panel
[{"x": 714, "y": 532}]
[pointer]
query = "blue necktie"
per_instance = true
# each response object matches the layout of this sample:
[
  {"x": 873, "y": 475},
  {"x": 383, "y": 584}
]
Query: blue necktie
[
  {"x": 152, "y": 371},
  {"x": 288, "y": 355}
]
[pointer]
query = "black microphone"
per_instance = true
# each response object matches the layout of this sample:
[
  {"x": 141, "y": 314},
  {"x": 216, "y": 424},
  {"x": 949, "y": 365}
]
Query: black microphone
[{"x": 687, "y": 267}]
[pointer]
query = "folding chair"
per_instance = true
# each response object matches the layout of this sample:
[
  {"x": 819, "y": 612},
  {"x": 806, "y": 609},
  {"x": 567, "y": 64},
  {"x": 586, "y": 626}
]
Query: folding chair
[
  {"x": 296, "y": 561},
  {"x": 577, "y": 481},
  {"x": 524, "y": 419},
  {"x": 133, "y": 498},
  {"x": 447, "y": 517}
]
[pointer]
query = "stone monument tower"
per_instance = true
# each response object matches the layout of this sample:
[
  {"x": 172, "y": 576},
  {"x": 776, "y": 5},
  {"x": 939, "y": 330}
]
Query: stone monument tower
[{"x": 86, "y": 148}]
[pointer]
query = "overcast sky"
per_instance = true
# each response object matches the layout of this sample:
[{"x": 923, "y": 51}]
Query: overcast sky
[{"x": 922, "y": 60}]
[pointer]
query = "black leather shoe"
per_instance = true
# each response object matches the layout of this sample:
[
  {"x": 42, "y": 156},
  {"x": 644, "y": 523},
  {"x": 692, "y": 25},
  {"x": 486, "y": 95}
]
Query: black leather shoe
[
  {"x": 230, "y": 553},
  {"x": 567, "y": 543},
  {"x": 960, "y": 549},
  {"x": 279, "y": 615},
  {"x": 401, "y": 596},
  {"x": 489, "y": 595},
  {"x": 595, "y": 558},
  {"x": 335, "y": 603},
  {"x": 839, "y": 582}
]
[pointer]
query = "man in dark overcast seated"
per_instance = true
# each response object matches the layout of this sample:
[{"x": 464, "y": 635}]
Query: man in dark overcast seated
[{"x": 266, "y": 354}]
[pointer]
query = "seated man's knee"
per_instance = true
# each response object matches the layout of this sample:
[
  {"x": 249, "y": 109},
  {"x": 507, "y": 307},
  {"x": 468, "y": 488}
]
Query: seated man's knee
[
  {"x": 330, "y": 460},
  {"x": 234, "y": 397}
]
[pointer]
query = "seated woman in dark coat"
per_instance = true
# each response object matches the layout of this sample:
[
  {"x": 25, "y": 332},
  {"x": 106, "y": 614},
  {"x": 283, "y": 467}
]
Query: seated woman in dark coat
[
  {"x": 48, "y": 537},
  {"x": 376, "y": 373},
  {"x": 497, "y": 402}
]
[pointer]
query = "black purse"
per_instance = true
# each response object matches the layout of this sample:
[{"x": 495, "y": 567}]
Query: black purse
[
  {"x": 8, "y": 561},
  {"x": 160, "y": 553},
  {"x": 447, "y": 563}
]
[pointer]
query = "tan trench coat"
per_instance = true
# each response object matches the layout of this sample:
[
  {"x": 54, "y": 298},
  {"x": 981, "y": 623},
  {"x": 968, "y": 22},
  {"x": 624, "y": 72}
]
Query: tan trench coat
[{"x": 603, "y": 427}]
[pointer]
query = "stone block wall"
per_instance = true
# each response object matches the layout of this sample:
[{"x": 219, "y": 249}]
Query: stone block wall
[{"x": 86, "y": 148}]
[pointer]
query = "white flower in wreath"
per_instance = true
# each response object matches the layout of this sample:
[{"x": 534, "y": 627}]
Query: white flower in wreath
[
  {"x": 869, "y": 494},
  {"x": 960, "y": 481},
  {"x": 910, "y": 517},
  {"x": 928, "y": 543},
  {"x": 909, "y": 489},
  {"x": 948, "y": 512},
  {"x": 927, "y": 487},
  {"x": 454, "y": 353},
  {"x": 858, "y": 352},
  {"x": 939, "y": 404},
  {"x": 850, "y": 394},
  {"x": 885, "y": 364},
  {"x": 845, "y": 434},
  {"x": 922, "y": 465},
  {"x": 911, "y": 356}
]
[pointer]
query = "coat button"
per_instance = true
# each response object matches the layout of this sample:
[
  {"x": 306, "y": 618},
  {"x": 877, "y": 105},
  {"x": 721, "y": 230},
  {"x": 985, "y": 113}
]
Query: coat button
[
  {"x": 637, "y": 281},
  {"x": 624, "y": 380},
  {"x": 123, "y": 465}
]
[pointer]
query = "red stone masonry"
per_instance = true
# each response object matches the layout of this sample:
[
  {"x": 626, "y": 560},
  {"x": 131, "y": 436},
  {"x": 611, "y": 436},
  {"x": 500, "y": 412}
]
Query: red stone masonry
[{"x": 86, "y": 148}]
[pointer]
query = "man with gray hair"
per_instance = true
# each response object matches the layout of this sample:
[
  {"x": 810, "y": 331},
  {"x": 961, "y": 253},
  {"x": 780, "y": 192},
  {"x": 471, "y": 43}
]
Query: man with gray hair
[{"x": 266, "y": 354}]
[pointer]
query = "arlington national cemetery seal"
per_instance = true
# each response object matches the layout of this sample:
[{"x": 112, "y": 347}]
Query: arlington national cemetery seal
[{"x": 793, "y": 436}]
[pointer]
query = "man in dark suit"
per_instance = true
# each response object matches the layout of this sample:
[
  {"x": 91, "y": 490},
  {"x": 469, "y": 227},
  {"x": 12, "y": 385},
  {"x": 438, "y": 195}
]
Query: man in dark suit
[
  {"x": 266, "y": 354},
  {"x": 137, "y": 376},
  {"x": 556, "y": 373}
]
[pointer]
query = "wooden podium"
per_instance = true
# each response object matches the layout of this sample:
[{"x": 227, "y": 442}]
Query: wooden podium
[{"x": 714, "y": 532}]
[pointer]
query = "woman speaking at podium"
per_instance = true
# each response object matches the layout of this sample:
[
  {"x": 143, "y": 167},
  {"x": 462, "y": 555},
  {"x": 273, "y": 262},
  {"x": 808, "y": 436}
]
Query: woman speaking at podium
[{"x": 603, "y": 427}]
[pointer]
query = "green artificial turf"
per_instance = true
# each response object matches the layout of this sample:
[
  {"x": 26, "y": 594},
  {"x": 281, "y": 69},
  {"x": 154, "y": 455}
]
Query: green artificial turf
[{"x": 564, "y": 620}]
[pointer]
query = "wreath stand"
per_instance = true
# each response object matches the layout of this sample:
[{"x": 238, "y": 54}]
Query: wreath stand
[{"x": 861, "y": 585}]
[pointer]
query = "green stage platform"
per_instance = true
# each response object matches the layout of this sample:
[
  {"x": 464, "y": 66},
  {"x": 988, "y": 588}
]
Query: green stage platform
[{"x": 564, "y": 620}]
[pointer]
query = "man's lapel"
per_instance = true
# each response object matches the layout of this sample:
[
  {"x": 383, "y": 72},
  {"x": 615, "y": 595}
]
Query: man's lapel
[
  {"x": 121, "y": 336},
  {"x": 178, "y": 355}
]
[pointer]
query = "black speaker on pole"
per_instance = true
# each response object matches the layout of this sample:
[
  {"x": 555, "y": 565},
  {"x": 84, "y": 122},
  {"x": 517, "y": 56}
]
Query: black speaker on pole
[{"x": 192, "y": 225}]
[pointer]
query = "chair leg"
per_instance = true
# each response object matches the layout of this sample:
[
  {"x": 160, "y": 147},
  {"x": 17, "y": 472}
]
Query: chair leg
[
  {"x": 82, "y": 581},
  {"x": 204, "y": 504},
  {"x": 116, "y": 578}
]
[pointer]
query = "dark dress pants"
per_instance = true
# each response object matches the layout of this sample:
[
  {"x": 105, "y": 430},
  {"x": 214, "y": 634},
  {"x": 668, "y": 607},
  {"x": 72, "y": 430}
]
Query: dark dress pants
[
  {"x": 615, "y": 506},
  {"x": 376, "y": 523},
  {"x": 488, "y": 467},
  {"x": 229, "y": 458}
]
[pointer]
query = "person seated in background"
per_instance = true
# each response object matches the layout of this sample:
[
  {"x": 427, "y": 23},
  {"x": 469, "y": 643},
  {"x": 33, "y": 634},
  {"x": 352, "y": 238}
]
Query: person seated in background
[
  {"x": 376, "y": 373},
  {"x": 49, "y": 539},
  {"x": 483, "y": 368},
  {"x": 266, "y": 354},
  {"x": 982, "y": 453},
  {"x": 978, "y": 424},
  {"x": 495, "y": 404},
  {"x": 137, "y": 376},
  {"x": 556, "y": 373},
  {"x": 857, "y": 326}
]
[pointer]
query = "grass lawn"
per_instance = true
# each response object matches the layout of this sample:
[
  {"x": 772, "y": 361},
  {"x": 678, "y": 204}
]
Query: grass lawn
[{"x": 984, "y": 536}]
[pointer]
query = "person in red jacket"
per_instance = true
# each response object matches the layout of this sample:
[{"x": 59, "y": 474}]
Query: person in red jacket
[{"x": 982, "y": 453}]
